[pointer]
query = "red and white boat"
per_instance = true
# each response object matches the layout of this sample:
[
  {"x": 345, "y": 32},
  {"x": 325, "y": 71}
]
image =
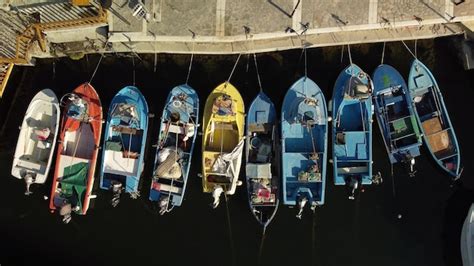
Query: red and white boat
[{"x": 81, "y": 126}]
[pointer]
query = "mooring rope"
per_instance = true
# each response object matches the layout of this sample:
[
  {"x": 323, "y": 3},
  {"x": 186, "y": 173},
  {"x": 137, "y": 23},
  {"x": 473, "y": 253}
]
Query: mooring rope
[
  {"x": 313, "y": 239},
  {"x": 258, "y": 74},
  {"x": 190, "y": 64},
  {"x": 262, "y": 243},
  {"x": 406, "y": 46},
  {"x": 98, "y": 63},
  {"x": 233, "y": 69},
  {"x": 383, "y": 53},
  {"x": 416, "y": 42},
  {"x": 133, "y": 64},
  {"x": 349, "y": 53},
  {"x": 342, "y": 53},
  {"x": 231, "y": 240}
]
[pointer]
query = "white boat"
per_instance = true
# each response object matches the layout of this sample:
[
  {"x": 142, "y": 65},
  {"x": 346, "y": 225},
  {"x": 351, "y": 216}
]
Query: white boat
[
  {"x": 467, "y": 239},
  {"x": 37, "y": 139}
]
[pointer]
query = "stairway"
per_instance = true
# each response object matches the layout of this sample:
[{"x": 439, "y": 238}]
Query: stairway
[
  {"x": 18, "y": 30},
  {"x": 5, "y": 70}
]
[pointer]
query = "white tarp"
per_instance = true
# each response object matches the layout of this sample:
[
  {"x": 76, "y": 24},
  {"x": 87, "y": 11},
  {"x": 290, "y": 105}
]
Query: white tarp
[{"x": 227, "y": 163}]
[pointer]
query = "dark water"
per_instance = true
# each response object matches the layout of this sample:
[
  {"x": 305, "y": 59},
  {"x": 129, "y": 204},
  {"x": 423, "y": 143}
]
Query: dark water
[{"x": 361, "y": 232}]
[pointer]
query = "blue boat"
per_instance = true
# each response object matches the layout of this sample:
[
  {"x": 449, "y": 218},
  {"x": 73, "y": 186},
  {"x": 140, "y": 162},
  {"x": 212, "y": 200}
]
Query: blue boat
[
  {"x": 178, "y": 131},
  {"x": 304, "y": 132},
  {"x": 395, "y": 116},
  {"x": 262, "y": 167},
  {"x": 124, "y": 146},
  {"x": 433, "y": 119},
  {"x": 352, "y": 128}
]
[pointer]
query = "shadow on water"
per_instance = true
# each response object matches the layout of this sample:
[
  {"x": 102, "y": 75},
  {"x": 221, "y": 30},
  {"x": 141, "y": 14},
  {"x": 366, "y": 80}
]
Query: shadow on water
[{"x": 362, "y": 232}]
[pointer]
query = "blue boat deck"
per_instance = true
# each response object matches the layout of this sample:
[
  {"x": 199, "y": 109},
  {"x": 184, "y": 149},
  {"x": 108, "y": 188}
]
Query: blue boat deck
[
  {"x": 125, "y": 137},
  {"x": 304, "y": 143},
  {"x": 294, "y": 164},
  {"x": 184, "y": 101},
  {"x": 352, "y": 128},
  {"x": 433, "y": 119}
]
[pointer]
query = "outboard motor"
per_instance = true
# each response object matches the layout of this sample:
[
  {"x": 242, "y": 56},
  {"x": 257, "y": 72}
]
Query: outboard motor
[
  {"x": 164, "y": 203},
  {"x": 29, "y": 179},
  {"x": 65, "y": 212},
  {"x": 116, "y": 190},
  {"x": 216, "y": 194},
  {"x": 354, "y": 182},
  {"x": 301, "y": 203},
  {"x": 410, "y": 162}
]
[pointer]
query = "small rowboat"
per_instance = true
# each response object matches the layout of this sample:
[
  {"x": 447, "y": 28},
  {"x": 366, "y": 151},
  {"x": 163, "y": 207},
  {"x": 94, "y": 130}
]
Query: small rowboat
[
  {"x": 261, "y": 159},
  {"x": 76, "y": 158},
  {"x": 222, "y": 141},
  {"x": 433, "y": 119},
  {"x": 173, "y": 157},
  {"x": 124, "y": 146}
]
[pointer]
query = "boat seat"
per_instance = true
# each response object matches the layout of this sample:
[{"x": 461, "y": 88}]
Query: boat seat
[
  {"x": 254, "y": 170},
  {"x": 432, "y": 125},
  {"x": 260, "y": 127},
  {"x": 166, "y": 188},
  {"x": 223, "y": 126},
  {"x": 29, "y": 164},
  {"x": 116, "y": 162},
  {"x": 126, "y": 130},
  {"x": 353, "y": 170},
  {"x": 440, "y": 143}
]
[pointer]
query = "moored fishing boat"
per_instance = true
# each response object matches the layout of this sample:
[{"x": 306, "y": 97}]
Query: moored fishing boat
[
  {"x": 76, "y": 158},
  {"x": 433, "y": 119},
  {"x": 178, "y": 131},
  {"x": 37, "y": 139},
  {"x": 222, "y": 141},
  {"x": 262, "y": 165},
  {"x": 395, "y": 116},
  {"x": 124, "y": 145},
  {"x": 467, "y": 239},
  {"x": 352, "y": 129},
  {"x": 304, "y": 133}
]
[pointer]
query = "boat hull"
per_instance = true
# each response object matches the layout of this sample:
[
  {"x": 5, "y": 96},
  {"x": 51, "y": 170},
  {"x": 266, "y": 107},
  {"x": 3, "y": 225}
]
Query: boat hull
[
  {"x": 433, "y": 119},
  {"x": 304, "y": 132},
  {"x": 221, "y": 135},
  {"x": 186, "y": 130},
  {"x": 467, "y": 237},
  {"x": 34, "y": 151},
  {"x": 77, "y": 153},
  {"x": 352, "y": 129},
  {"x": 395, "y": 115},
  {"x": 123, "y": 149},
  {"x": 262, "y": 164}
]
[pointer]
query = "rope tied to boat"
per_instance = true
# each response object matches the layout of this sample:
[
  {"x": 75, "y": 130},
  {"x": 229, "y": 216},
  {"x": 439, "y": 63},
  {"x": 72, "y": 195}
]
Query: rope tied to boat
[
  {"x": 233, "y": 69},
  {"x": 413, "y": 54},
  {"x": 133, "y": 65},
  {"x": 383, "y": 53},
  {"x": 258, "y": 74},
  {"x": 349, "y": 53},
  {"x": 231, "y": 240},
  {"x": 98, "y": 63},
  {"x": 191, "y": 60}
]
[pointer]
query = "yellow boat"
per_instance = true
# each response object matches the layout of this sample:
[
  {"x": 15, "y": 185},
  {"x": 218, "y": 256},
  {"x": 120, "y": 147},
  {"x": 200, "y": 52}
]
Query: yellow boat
[{"x": 222, "y": 141}]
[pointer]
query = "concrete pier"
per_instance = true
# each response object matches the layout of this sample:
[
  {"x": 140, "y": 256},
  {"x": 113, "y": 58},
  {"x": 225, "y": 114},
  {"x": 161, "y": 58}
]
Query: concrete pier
[{"x": 239, "y": 26}]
